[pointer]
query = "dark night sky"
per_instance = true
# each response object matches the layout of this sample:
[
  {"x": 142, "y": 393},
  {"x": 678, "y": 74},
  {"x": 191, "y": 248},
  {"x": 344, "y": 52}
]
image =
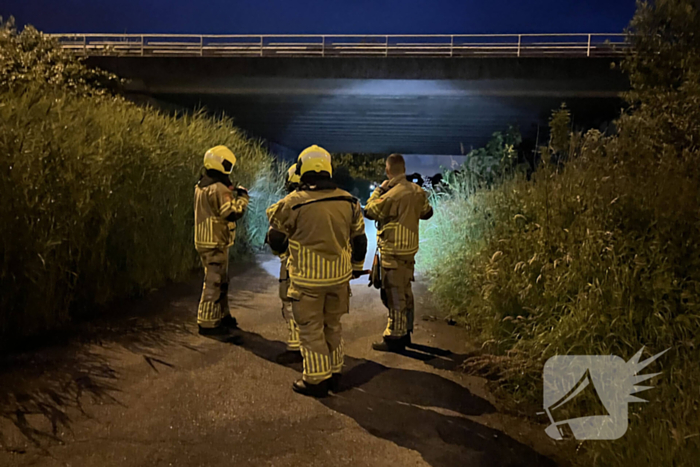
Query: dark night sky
[{"x": 322, "y": 16}]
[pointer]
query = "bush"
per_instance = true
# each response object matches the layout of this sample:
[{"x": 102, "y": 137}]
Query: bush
[
  {"x": 30, "y": 58},
  {"x": 355, "y": 173},
  {"x": 97, "y": 192},
  {"x": 496, "y": 160},
  {"x": 598, "y": 252}
]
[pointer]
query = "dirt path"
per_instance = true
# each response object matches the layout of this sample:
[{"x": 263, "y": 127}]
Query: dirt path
[{"x": 143, "y": 389}]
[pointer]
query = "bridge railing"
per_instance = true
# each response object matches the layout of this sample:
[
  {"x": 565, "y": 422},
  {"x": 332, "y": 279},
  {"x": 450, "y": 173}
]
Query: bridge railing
[{"x": 465, "y": 45}]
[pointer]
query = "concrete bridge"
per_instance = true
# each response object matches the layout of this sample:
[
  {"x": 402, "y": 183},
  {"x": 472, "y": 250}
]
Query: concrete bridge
[{"x": 410, "y": 94}]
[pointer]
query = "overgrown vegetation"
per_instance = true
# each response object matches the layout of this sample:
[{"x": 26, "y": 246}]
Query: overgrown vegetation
[
  {"x": 356, "y": 172},
  {"x": 267, "y": 189},
  {"x": 362, "y": 166},
  {"x": 599, "y": 252},
  {"x": 498, "y": 159},
  {"x": 96, "y": 191},
  {"x": 30, "y": 59}
]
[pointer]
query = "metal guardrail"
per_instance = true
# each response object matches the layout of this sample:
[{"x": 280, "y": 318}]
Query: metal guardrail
[{"x": 466, "y": 45}]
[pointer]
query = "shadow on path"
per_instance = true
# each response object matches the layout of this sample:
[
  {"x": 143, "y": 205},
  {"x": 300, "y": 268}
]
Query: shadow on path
[
  {"x": 41, "y": 412},
  {"x": 437, "y": 358},
  {"x": 43, "y": 393},
  {"x": 413, "y": 409}
]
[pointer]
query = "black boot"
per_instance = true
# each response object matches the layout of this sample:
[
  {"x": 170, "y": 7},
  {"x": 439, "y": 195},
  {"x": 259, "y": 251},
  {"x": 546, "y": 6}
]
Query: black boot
[
  {"x": 229, "y": 321},
  {"x": 308, "y": 389},
  {"x": 334, "y": 384},
  {"x": 390, "y": 345}
]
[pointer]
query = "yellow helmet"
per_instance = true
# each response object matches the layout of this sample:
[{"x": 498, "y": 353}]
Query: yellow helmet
[
  {"x": 292, "y": 175},
  {"x": 220, "y": 158},
  {"x": 315, "y": 159}
]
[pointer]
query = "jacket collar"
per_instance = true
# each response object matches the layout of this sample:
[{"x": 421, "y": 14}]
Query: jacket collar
[
  {"x": 397, "y": 180},
  {"x": 211, "y": 177}
]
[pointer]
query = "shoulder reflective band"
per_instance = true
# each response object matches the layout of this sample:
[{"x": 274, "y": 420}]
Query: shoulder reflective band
[{"x": 349, "y": 199}]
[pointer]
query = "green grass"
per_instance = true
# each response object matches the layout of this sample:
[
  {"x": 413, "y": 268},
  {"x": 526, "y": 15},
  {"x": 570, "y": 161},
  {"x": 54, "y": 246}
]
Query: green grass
[
  {"x": 599, "y": 256},
  {"x": 98, "y": 200},
  {"x": 267, "y": 189},
  {"x": 98, "y": 192},
  {"x": 598, "y": 253}
]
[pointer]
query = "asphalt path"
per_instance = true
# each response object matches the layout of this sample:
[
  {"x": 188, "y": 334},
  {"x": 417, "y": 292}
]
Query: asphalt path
[{"x": 140, "y": 387}]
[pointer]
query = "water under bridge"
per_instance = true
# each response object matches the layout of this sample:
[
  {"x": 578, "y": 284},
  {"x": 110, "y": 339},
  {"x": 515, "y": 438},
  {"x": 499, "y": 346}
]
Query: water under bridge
[{"x": 438, "y": 94}]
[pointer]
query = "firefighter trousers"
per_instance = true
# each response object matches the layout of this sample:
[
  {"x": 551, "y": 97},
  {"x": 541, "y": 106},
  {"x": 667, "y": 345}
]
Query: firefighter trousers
[
  {"x": 397, "y": 296},
  {"x": 213, "y": 305},
  {"x": 317, "y": 312},
  {"x": 293, "y": 342}
]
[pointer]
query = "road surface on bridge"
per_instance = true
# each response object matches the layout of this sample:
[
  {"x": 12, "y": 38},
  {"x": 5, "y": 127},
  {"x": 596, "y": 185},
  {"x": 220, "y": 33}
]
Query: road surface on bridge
[{"x": 141, "y": 387}]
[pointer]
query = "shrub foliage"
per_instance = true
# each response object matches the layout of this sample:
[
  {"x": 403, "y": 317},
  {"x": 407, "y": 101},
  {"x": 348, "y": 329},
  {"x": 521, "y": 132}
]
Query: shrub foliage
[
  {"x": 97, "y": 192},
  {"x": 599, "y": 252}
]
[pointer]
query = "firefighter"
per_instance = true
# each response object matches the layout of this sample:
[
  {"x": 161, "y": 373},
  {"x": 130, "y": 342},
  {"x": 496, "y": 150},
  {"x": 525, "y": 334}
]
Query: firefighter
[
  {"x": 322, "y": 228},
  {"x": 293, "y": 342},
  {"x": 216, "y": 210},
  {"x": 397, "y": 206}
]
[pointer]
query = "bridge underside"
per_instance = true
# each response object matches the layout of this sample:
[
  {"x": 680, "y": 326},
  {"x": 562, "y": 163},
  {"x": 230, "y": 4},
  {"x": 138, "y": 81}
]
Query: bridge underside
[{"x": 413, "y": 106}]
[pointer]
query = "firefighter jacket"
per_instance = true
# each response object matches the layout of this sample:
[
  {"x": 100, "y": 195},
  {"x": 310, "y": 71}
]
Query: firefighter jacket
[
  {"x": 216, "y": 210},
  {"x": 397, "y": 211},
  {"x": 322, "y": 230}
]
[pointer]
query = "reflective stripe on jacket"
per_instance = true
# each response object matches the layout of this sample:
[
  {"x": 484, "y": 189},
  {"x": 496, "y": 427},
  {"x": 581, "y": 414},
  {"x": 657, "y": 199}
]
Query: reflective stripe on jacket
[
  {"x": 398, "y": 211},
  {"x": 214, "y": 205},
  {"x": 320, "y": 226}
]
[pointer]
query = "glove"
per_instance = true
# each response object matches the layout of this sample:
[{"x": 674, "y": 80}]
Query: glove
[
  {"x": 241, "y": 191},
  {"x": 356, "y": 274}
]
